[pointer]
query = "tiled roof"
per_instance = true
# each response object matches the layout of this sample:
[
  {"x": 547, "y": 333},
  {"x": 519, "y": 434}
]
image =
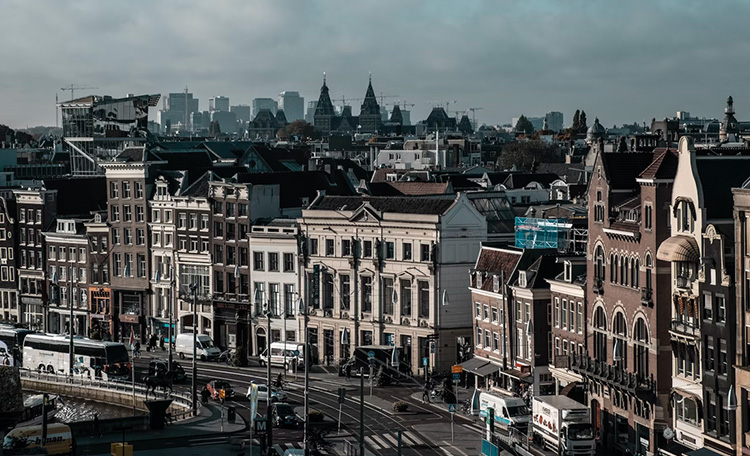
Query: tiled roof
[
  {"x": 396, "y": 204},
  {"x": 199, "y": 188},
  {"x": 664, "y": 165},
  {"x": 380, "y": 174},
  {"x": 521, "y": 180},
  {"x": 409, "y": 188},
  {"x": 494, "y": 261},
  {"x": 622, "y": 168}
]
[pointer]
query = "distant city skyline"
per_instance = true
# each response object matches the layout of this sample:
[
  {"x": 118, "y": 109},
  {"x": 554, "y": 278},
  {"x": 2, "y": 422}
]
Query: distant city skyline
[{"x": 621, "y": 62}]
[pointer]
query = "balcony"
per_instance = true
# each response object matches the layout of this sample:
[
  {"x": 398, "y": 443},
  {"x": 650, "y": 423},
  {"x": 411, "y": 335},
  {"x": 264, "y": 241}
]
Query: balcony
[
  {"x": 611, "y": 375},
  {"x": 685, "y": 329},
  {"x": 647, "y": 297}
]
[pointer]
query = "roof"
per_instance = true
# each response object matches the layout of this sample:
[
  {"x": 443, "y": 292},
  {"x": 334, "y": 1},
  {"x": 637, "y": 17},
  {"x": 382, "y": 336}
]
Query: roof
[
  {"x": 718, "y": 175},
  {"x": 496, "y": 260},
  {"x": 296, "y": 186},
  {"x": 380, "y": 174},
  {"x": 199, "y": 188},
  {"x": 544, "y": 267},
  {"x": 622, "y": 168},
  {"x": 663, "y": 166},
  {"x": 409, "y": 188},
  {"x": 521, "y": 180},
  {"x": 571, "y": 173},
  {"x": 393, "y": 204},
  {"x": 71, "y": 192},
  {"x": 679, "y": 248}
]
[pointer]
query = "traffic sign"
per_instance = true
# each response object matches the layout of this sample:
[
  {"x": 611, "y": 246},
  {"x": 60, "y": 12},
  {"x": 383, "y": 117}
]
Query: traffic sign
[
  {"x": 371, "y": 354},
  {"x": 296, "y": 352},
  {"x": 457, "y": 369},
  {"x": 261, "y": 425},
  {"x": 452, "y": 408},
  {"x": 433, "y": 346},
  {"x": 424, "y": 361},
  {"x": 456, "y": 377},
  {"x": 342, "y": 395}
]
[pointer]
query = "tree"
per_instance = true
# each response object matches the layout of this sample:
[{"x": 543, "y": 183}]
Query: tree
[
  {"x": 583, "y": 127},
  {"x": 214, "y": 129},
  {"x": 524, "y": 125},
  {"x": 527, "y": 155},
  {"x": 576, "y": 120},
  {"x": 240, "y": 356},
  {"x": 298, "y": 128}
]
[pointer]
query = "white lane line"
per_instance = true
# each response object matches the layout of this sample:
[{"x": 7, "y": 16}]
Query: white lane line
[
  {"x": 406, "y": 438},
  {"x": 454, "y": 447},
  {"x": 392, "y": 439},
  {"x": 383, "y": 442},
  {"x": 370, "y": 441}
]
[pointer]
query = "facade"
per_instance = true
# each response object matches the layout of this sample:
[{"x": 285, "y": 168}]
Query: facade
[
  {"x": 67, "y": 282},
  {"x": 218, "y": 103},
  {"x": 554, "y": 120},
  {"x": 292, "y": 104},
  {"x": 234, "y": 208},
  {"x": 369, "y": 114},
  {"x": 128, "y": 186},
  {"x": 9, "y": 308},
  {"x": 260, "y": 104},
  {"x": 742, "y": 360},
  {"x": 388, "y": 271},
  {"x": 101, "y": 325},
  {"x": 626, "y": 367},
  {"x": 35, "y": 210},
  {"x": 163, "y": 241},
  {"x": 242, "y": 112},
  {"x": 274, "y": 262}
]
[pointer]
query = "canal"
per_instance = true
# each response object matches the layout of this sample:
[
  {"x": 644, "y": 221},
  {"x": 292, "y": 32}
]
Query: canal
[{"x": 73, "y": 409}]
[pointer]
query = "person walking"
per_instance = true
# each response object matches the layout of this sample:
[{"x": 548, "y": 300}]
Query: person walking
[
  {"x": 426, "y": 394},
  {"x": 137, "y": 349},
  {"x": 348, "y": 372}
]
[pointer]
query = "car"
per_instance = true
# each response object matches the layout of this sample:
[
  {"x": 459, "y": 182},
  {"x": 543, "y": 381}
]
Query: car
[
  {"x": 215, "y": 387},
  {"x": 283, "y": 414},
  {"x": 159, "y": 367},
  {"x": 276, "y": 395}
]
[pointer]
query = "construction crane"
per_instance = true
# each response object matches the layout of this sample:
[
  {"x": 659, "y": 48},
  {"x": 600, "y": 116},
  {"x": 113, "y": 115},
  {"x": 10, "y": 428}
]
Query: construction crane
[
  {"x": 344, "y": 99},
  {"x": 440, "y": 104},
  {"x": 72, "y": 88},
  {"x": 474, "y": 115},
  {"x": 383, "y": 97}
]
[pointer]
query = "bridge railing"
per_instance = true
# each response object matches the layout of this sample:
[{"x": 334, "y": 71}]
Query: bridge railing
[{"x": 181, "y": 400}]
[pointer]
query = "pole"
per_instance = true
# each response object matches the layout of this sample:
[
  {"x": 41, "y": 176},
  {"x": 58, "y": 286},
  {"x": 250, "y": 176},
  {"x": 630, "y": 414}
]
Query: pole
[
  {"x": 307, "y": 378},
  {"x": 362, "y": 411},
  {"x": 194, "y": 288},
  {"x": 132, "y": 384},
  {"x": 399, "y": 442},
  {"x": 452, "y": 413},
  {"x": 44, "y": 417},
  {"x": 339, "y": 431},
  {"x": 371, "y": 366},
  {"x": 70, "y": 323},
  {"x": 173, "y": 291},
  {"x": 284, "y": 339},
  {"x": 269, "y": 422}
]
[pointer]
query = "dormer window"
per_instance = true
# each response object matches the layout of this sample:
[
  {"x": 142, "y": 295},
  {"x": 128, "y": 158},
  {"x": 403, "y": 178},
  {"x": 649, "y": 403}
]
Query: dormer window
[
  {"x": 479, "y": 280},
  {"x": 522, "y": 279},
  {"x": 685, "y": 216},
  {"x": 496, "y": 283},
  {"x": 568, "y": 269}
]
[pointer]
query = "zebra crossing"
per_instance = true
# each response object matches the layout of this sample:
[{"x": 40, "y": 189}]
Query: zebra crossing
[
  {"x": 280, "y": 448},
  {"x": 390, "y": 440}
]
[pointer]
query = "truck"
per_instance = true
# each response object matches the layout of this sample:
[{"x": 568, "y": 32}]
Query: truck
[
  {"x": 563, "y": 425},
  {"x": 508, "y": 411}
]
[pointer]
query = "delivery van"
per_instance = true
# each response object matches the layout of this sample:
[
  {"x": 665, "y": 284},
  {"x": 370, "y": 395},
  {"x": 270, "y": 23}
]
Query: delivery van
[
  {"x": 508, "y": 411},
  {"x": 59, "y": 439},
  {"x": 291, "y": 353},
  {"x": 205, "y": 348}
]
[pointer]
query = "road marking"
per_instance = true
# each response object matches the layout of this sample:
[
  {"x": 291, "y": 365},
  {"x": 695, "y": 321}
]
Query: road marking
[
  {"x": 454, "y": 447},
  {"x": 392, "y": 439},
  {"x": 407, "y": 437},
  {"x": 371, "y": 441}
]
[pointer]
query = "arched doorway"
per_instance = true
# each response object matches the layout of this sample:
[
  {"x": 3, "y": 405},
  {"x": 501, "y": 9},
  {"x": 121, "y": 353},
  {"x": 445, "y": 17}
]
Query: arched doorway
[
  {"x": 596, "y": 419},
  {"x": 260, "y": 339}
]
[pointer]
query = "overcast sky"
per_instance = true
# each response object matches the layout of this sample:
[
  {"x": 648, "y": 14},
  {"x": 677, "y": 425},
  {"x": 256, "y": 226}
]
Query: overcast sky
[{"x": 622, "y": 61}]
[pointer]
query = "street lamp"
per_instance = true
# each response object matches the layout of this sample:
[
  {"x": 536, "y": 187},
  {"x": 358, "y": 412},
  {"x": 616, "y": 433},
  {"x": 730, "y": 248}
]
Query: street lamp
[
  {"x": 303, "y": 310},
  {"x": 194, "y": 291},
  {"x": 267, "y": 311}
]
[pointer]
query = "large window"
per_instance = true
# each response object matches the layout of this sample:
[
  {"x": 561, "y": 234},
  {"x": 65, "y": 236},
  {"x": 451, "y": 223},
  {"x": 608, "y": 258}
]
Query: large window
[
  {"x": 423, "y": 294},
  {"x": 599, "y": 267},
  {"x": 405, "y": 297},
  {"x": 641, "y": 348},
  {"x": 345, "y": 292},
  {"x": 289, "y": 302},
  {"x": 195, "y": 274},
  {"x": 274, "y": 298},
  {"x": 600, "y": 335},
  {"x": 388, "y": 296},
  {"x": 273, "y": 261},
  {"x": 366, "y": 294},
  {"x": 620, "y": 331},
  {"x": 258, "y": 261}
]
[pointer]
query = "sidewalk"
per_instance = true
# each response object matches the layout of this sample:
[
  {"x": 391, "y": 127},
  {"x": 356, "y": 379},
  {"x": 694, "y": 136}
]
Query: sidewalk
[{"x": 208, "y": 423}]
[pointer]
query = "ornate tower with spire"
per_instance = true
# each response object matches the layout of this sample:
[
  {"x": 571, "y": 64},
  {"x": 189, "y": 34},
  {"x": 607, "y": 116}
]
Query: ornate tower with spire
[
  {"x": 728, "y": 129},
  {"x": 369, "y": 114},
  {"x": 324, "y": 112}
]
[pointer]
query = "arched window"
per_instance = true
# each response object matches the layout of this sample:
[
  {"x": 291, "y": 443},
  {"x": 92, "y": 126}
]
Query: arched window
[
  {"x": 641, "y": 342},
  {"x": 626, "y": 271},
  {"x": 599, "y": 262},
  {"x": 649, "y": 266},
  {"x": 613, "y": 269},
  {"x": 600, "y": 335},
  {"x": 635, "y": 275},
  {"x": 620, "y": 340}
]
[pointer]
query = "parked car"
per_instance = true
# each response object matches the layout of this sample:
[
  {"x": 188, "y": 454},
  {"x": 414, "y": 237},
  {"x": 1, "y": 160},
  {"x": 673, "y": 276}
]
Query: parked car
[
  {"x": 204, "y": 348},
  {"x": 283, "y": 414},
  {"x": 214, "y": 386},
  {"x": 276, "y": 395},
  {"x": 159, "y": 367}
]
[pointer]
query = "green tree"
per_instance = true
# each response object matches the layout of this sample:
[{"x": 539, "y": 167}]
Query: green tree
[
  {"x": 214, "y": 129},
  {"x": 527, "y": 155},
  {"x": 298, "y": 128},
  {"x": 524, "y": 125},
  {"x": 583, "y": 127},
  {"x": 576, "y": 120}
]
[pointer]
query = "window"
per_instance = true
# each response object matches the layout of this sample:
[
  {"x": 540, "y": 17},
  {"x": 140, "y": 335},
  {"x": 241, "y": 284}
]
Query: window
[
  {"x": 620, "y": 340},
  {"x": 572, "y": 316},
  {"x": 138, "y": 189},
  {"x": 722, "y": 364},
  {"x": 564, "y": 314},
  {"x": 388, "y": 298},
  {"x": 230, "y": 209},
  {"x": 345, "y": 292},
  {"x": 486, "y": 312},
  {"x": 495, "y": 342},
  {"x": 494, "y": 315},
  {"x": 405, "y": 297},
  {"x": 641, "y": 348},
  {"x": 128, "y": 234},
  {"x": 330, "y": 251},
  {"x": 113, "y": 190},
  {"x": 193, "y": 221},
  {"x": 128, "y": 265},
  {"x": 709, "y": 351},
  {"x": 193, "y": 244},
  {"x": 579, "y": 320},
  {"x": 218, "y": 208},
  {"x": 155, "y": 215},
  {"x": 648, "y": 211},
  {"x": 708, "y": 312},
  {"x": 140, "y": 237},
  {"x": 273, "y": 261},
  {"x": 241, "y": 210},
  {"x": 168, "y": 216},
  {"x": 157, "y": 239},
  {"x": 390, "y": 250},
  {"x": 204, "y": 222},
  {"x": 313, "y": 246},
  {"x": 477, "y": 311},
  {"x": 366, "y": 294},
  {"x": 218, "y": 229},
  {"x": 556, "y": 313},
  {"x": 141, "y": 265},
  {"x": 115, "y": 213},
  {"x": 243, "y": 256},
  {"x": 721, "y": 309},
  {"x": 231, "y": 257},
  {"x": 204, "y": 245},
  {"x": 346, "y": 247},
  {"x": 599, "y": 267},
  {"x": 181, "y": 221},
  {"x": 182, "y": 242},
  {"x": 686, "y": 410},
  {"x": 115, "y": 236},
  {"x": 139, "y": 214},
  {"x": 274, "y": 298},
  {"x": 407, "y": 251},
  {"x": 478, "y": 340},
  {"x": 600, "y": 335},
  {"x": 126, "y": 189},
  {"x": 258, "y": 261},
  {"x": 52, "y": 252},
  {"x": 368, "y": 249},
  {"x": 288, "y": 262},
  {"x": 289, "y": 302},
  {"x": 487, "y": 339},
  {"x": 685, "y": 216}
]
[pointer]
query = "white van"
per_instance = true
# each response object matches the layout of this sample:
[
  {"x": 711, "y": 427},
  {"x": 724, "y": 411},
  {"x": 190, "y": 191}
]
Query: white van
[
  {"x": 509, "y": 411},
  {"x": 205, "y": 348},
  {"x": 284, "y": 352}
]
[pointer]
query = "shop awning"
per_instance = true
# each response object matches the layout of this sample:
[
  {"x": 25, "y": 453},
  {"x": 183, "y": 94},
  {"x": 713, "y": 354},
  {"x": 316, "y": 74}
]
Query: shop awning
[
  {"x": 687, "y": 394},
  {"x": 679, "y": 248},
  {"x": 487, "y": 369},
  {"x": 473, "y": 364},
  {"x": 702, "y": 452},
  {"x": 517, "y": 374}
]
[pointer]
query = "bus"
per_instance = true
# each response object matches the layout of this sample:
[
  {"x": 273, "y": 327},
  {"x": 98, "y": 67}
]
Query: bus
[
  {"x": 93, "y": 358},
  {"x": 11, "y": 341}
]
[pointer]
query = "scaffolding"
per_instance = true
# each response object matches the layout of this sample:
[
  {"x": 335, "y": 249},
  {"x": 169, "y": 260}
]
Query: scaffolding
[{"x": 553, "y": 233}]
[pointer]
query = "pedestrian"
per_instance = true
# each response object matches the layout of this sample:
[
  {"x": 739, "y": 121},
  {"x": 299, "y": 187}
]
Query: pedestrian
[
  {"x": 279, "y": 382},
  {"x": 426, "y": 394},
  {"x": 348, "y": 371},
  {"x": 204, "y": 394},
  {"x": 161, "y": 342},
  {"x": 137, "y": 349}
]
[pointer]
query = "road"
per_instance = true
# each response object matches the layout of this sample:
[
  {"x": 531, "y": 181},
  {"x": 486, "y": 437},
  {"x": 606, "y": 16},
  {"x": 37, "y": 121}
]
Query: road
[{"x": 426, "y": 432}]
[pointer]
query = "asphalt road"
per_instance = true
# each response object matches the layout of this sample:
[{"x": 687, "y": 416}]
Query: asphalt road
[{"x": 381, "y": 428}]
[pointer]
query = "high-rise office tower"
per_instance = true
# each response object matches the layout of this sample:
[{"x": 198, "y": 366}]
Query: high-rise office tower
[
  {"x": 260, "y": 104},
  {"x": 218, "y": 103},
  {"x": 292, "y": 104}
]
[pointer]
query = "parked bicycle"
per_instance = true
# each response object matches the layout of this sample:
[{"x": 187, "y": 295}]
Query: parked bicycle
[
  {"x": 227, "y": 357},
  {"x": 466, "y": 407}
]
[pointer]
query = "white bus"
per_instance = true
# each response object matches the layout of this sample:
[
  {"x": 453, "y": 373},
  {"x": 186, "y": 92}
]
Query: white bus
[
  {"x": 11, "y": 341},
  {"x": 93, "y": 358}
]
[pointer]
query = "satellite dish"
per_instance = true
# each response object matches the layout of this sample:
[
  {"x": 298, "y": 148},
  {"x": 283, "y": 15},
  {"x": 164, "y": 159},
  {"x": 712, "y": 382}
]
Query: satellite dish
[{"x": 668, "y": 433}]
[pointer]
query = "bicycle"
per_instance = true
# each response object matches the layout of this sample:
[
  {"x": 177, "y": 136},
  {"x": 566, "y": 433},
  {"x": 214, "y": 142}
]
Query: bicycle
[
  {"x": 466, "y": 407},
  {"x": 227, "y": 357}
]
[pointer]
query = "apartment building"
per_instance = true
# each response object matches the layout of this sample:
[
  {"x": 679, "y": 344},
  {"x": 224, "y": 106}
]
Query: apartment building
[
  {"x": 9, "y": 308},
  {"x": 100, "y": 290},
  {"x": 740, "y": 397},
  {"x": 390, "y": 271},
  {"x": 161, "y": 235}
]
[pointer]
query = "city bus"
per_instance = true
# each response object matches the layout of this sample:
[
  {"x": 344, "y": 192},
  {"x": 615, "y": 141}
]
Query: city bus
[
  {"x": 93, "y": 358},
  {"x": 11, "y": 341}
]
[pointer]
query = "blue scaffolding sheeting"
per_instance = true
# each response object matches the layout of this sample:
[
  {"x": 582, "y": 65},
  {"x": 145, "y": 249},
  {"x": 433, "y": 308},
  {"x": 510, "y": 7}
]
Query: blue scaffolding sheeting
[{"x": 539, "y": 233}]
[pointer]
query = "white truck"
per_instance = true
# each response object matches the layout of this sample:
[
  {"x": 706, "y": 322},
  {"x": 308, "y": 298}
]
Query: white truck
[
  {"x": 562, "y": 424},
  {"x": 508, "y": 411}
]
